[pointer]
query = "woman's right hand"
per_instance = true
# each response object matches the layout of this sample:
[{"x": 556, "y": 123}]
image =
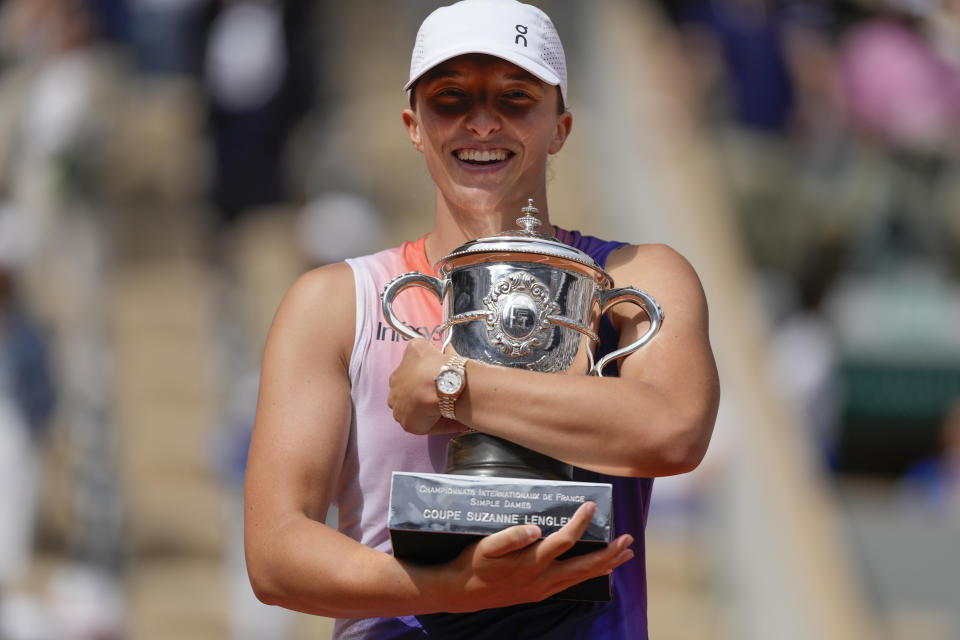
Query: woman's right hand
[{"x": 514, "y": 566}]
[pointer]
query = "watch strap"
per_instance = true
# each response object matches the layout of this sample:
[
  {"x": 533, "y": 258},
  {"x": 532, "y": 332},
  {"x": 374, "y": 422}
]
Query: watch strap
[{"x": 447, "y": 403}]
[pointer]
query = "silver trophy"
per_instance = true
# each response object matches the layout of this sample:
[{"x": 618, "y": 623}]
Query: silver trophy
[{"x": 518, "y": 299}]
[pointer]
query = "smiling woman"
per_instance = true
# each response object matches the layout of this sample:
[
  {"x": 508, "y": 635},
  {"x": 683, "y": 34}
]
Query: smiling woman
[{"x": 340, "y": 407}]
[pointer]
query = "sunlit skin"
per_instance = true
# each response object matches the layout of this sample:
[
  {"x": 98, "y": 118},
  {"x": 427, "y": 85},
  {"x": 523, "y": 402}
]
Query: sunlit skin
[{"x": 482, "y": 103}]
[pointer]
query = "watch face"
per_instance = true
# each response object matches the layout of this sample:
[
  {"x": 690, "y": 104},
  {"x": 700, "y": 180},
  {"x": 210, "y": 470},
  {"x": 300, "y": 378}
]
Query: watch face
[{"x": 449, "y": 382}]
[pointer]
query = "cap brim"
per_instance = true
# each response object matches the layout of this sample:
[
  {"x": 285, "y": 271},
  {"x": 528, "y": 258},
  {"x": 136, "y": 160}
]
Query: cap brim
[{"x": 533, "y": 67}]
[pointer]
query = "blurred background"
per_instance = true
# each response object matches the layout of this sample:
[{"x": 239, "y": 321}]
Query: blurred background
[{"x": 168, "y": 167}]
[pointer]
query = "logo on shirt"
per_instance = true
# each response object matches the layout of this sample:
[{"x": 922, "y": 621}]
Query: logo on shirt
[{"x": 387, "y": 334}]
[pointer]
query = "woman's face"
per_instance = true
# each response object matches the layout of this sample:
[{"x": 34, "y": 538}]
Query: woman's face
[{"x": 486, "y": 127}]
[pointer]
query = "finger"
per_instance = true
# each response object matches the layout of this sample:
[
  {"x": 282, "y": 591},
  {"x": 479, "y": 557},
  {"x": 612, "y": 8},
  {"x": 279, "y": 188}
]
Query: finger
[
  {"x": 511, "y": 539},
  {"x": 559, "y": 542},
  {"x": 568, "y": 573},
  {"x": 575, "y": 570},
  {"x": 596, "y": 563}
]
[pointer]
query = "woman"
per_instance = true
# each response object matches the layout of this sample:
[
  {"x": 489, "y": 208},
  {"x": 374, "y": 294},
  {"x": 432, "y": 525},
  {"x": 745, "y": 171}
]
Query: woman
[{"x": 343, "y": 403}]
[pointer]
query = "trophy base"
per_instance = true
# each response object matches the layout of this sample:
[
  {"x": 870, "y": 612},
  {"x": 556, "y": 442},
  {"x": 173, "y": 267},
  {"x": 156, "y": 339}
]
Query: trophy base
[
  {"x": 479, "y": 454},
  {"x": 433, "y": 517}
]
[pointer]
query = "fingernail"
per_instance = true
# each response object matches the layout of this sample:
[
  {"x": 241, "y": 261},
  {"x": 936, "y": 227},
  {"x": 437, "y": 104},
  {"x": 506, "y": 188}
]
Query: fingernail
[
  {"x": 623, "y": 557},
  {"x": 627, "y": 540},
  {"x": 532, "y": 531}
]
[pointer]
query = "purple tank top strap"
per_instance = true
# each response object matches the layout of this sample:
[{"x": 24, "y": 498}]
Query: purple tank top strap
[{"x": 594, "y": 247}]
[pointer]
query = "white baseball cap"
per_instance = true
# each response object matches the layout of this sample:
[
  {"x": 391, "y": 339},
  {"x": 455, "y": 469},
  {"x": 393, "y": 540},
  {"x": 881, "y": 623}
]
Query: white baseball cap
[{"x": 510, "y": 30}]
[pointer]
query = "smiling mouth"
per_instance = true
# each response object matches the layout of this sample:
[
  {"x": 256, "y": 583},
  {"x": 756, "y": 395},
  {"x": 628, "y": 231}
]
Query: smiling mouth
[{"x": 484, "y": 157}]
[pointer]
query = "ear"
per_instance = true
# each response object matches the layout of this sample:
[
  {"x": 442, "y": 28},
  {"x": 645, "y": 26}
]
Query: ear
[
  {"x": 412, "y": 123},
  {"x": 562, "y": 131}
]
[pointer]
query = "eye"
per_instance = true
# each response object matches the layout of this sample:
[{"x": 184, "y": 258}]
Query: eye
[
  {"x": 450, "y": 93},
  {"x": 517, "y": 100}
]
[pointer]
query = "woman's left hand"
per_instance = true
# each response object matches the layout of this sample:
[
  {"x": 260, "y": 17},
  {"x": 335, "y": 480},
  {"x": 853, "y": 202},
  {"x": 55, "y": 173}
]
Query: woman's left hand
[{"x": 413, "y": 391}]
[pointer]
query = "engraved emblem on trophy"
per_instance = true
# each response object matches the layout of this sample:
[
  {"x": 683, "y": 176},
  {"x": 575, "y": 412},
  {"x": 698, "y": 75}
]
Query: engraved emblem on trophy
[{"x": 518, "y": 299}]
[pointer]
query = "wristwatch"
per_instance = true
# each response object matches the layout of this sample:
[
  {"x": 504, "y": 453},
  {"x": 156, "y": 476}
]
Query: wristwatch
[{"x": 451, "y": 381}]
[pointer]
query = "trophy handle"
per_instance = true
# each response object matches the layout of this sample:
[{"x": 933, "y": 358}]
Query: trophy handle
[
  {"x": 398, "y": 284},
  {"x": 640, "y": 298}
]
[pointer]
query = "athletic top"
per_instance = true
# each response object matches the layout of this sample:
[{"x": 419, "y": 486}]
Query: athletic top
[{"x": 378, "y": 445}]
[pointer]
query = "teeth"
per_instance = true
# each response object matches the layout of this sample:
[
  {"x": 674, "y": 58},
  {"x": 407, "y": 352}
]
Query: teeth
[{"x": 475, "y": 155}]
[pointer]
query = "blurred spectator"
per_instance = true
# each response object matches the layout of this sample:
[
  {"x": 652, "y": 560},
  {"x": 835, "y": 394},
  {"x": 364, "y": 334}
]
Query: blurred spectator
[
  {"x": 748, "y": 38},
  {"x": 767, "y": 72},
  {"x": 898, "y": 87},
  {"x": 26, "y": 401},
  {"x": 54, "y": 81},
  {"x": 24, "y": 369},
  {"x": 900, "y": 73},
  {"x": 259, "y": 80}
]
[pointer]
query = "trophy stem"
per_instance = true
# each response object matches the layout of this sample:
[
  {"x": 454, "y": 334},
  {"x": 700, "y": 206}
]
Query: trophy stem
[{"x": 479, "y": 454}]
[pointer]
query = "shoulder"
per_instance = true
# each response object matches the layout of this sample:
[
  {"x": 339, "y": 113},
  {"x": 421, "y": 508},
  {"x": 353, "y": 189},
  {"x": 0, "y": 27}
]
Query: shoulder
[
  {"x": 654, "y": 251},
  {"x": 666, "y": 275},
  {"x": 320, "y": 288},
  {"x": 660, "y": 262}
]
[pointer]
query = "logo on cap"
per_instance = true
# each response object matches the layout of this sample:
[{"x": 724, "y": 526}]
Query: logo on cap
[{"x": 521, "y": 35}]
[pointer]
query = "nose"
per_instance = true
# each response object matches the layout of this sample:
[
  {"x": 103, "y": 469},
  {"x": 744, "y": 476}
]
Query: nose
[{"x": 483, "y": 119}]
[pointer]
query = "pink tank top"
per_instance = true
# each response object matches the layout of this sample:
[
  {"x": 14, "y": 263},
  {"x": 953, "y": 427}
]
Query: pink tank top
[{"x": 378, "y": 444}]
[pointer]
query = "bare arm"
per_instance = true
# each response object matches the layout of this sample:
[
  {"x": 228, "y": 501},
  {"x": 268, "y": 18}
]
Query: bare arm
[
  {"x": 656, "y": 419},
  {"x": 301, "y": 433}
]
